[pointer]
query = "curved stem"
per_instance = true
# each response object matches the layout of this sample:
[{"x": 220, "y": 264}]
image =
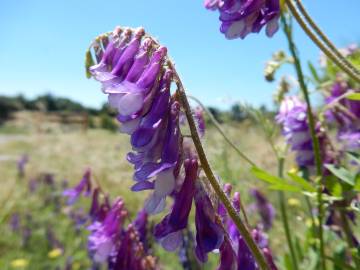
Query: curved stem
[
  {"x": 315, "y": 141},
  {"x": 218, "y": 127},
  {"x": 259, "y": 257},
  {"x": 284, "y": 217},
  {"x": 321, "y": 45},
  {"x": 324, "y": 38}
]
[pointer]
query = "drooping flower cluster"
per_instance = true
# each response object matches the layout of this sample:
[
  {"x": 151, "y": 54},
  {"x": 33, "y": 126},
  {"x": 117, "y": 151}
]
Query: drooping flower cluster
[
  {"x": 241, "y": 17},
  {"x": 136, "y": 76},
  {"x": 293, "y": 118},
  {"x": 133, "y": 73},
  {"x": 346, "y": 114}
]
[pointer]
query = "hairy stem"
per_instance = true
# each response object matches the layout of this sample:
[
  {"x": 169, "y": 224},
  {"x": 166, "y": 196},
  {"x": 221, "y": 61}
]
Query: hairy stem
[
  {"x": 315, "y": 141},
  {"x": 218, "y": 127},
  {"x": 259, "y": 257},
  {"x": 284, "y": 217},
  {"x": 323, "y": 37},
  {"x": 344, "y": 67}
]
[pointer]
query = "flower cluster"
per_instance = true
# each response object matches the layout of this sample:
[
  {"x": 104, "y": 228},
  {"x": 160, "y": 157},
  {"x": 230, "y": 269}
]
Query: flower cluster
[
  {"x": 234, "y": 253},
  {"x": 346, "y": 114},
  {"x": 239, "y": 18},
  {"x": 113, "y": 242},
  {"x": 136, "y": 76},
  {"x": 293, "y": 118}
]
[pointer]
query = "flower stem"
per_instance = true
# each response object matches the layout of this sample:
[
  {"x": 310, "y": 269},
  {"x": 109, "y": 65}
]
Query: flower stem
[
  {"x": 352, "y": 72},
  {"x": 259, "y": 257},
  {"x": 323, "y": 37},
  {"x": 284, "y": 216},
  {"x": 315, "y": 141},
  {"x": 218, "y": 127}
]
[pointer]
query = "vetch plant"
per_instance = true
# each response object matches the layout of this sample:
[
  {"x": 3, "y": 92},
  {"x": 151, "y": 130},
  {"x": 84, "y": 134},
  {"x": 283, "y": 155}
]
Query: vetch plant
[{"x": 137, "y": 75}]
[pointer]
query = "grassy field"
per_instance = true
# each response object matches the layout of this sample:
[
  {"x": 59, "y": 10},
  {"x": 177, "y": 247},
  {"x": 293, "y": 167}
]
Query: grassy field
[{"x": 67, "y": 153}]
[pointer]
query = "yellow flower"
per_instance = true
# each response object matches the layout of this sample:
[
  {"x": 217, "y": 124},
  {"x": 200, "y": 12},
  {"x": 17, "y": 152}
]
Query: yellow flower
[
  {"x": 293, "y": 170},
  {"x": 19, "y": 263},
  {"x": 76, "y": 265},
  {"x": 55, "y": 253},
  {"x": 294, "y": 202},
  {"x": 309, "y": 222}
]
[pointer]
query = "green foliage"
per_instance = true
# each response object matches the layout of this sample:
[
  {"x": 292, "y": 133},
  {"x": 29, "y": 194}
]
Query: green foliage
[{"x": 107, "y": 122}]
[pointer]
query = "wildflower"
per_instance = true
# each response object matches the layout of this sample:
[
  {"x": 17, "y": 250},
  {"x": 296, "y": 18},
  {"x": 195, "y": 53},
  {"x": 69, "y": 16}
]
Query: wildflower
[
  {"x": 19, "y": 263},
  {"x": 264, "y": 208},
  {"x": 169, "y": 231},
  {"x": 209, "y": 235},
  {"x": 293, "y": 202},
  {"x": 98, "y": 211},
  {"x": 200, "y": 120},
  {"x": 84, "y": 186},
  {"x": 55, "y": 253},
  {"x": 228, "y": 258},
  {"x": 103, "y": 235},
  {"x": 346, "y": 113},
  {"x": 15, "y": 222},
  {"x": 21, "y": 163},
  {"x": 239, "y": 18},
  {"x": 293, "y": 117},
  {"x": 140, "y": 224}
]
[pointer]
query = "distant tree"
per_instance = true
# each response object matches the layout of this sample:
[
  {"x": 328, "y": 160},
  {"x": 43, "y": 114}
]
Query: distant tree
[
  {"x": 108, "y": 122},
  {"x": 216, "y": 113},
  {"x": 237, "y": 113}
]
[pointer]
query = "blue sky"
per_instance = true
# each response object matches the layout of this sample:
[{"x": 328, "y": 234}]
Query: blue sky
[{"x": 43, "y": 43}]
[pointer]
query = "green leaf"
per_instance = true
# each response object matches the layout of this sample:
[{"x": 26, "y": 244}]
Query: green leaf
[
  {"x": 302, "y": 182},
  {"x": 285, "y": 187},
  {"x": 354, "y": 156},
  {"x": 357, "y": 182},
  {"x": 265, "y": 176},
  {"x": 354, "y": 96},
  {"x": 342, "y": 173},
  {"x": 313, "y": 72}
]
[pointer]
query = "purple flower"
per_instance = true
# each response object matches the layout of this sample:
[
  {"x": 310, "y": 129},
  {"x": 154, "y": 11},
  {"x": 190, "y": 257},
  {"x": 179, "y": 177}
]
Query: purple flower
[
  {"x": 221, "y": 208},
  {"x": 200, "y": 120},
  {"x": 169, "y": 231},
  {"x": 264, "y": 208},
  {"x": 209, "y": 235},
  {"x": 21, "y": 163},
  {"x": 346, "y": 113},
  {"x": 141, "y": 224},
  {"x": 228, "y": 258},
  {"x": 15, "y": 222},
  {"x": 292, "y": 116},
  {"x": 239, "y": 18},
  {"x": 84, "y": 186},
  {"x": 245, "y": 259},
  {"x": 103, "y": 235}
]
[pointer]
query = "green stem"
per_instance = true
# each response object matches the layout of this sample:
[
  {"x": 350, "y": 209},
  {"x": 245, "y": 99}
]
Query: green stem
[
  {"x": 323, "y": 37},
  {"x": 315, "y": 141},
  {"x": 313, "y": 223},
  {"x": 284, "y": 216},
  {"x": 258, "y": 255},
  {"x": 218, "y": 127},
  {"x": 349, "y": 238},
  {"x": 344, "y": 67}
]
